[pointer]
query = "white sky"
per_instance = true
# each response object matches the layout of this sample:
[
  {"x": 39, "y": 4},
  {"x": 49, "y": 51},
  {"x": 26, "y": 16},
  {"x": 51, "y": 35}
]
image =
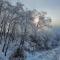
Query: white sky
[{"x": 52, "y": 7}]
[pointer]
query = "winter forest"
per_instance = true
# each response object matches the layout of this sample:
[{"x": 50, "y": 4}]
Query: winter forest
[{"x": 27, "y": 34}]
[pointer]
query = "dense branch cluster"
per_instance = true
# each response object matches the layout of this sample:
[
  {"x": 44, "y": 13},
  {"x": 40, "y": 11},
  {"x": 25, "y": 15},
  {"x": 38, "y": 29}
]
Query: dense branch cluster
[{"x": 19, "y": 29}]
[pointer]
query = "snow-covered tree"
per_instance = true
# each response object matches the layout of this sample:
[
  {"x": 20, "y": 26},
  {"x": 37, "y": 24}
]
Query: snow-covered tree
[{"x": 19, "y": 30}]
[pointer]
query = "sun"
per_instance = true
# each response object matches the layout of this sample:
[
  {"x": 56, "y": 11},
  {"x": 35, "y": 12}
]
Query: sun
[{"x": 36, "y": 20}]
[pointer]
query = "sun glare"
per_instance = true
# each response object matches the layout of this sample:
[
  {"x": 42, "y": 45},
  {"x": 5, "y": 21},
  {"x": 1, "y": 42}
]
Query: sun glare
[{"x": 36, "y": 20}]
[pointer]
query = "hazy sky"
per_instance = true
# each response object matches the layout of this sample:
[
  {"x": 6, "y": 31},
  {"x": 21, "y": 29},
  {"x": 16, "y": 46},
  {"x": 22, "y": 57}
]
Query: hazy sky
[{"x": 52, "y": 7}]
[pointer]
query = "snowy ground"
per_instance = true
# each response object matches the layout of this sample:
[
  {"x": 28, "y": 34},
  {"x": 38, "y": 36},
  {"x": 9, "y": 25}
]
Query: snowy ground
[
  {"x": 53, "y": 54},
  {"x": 47, "y": 55}
]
